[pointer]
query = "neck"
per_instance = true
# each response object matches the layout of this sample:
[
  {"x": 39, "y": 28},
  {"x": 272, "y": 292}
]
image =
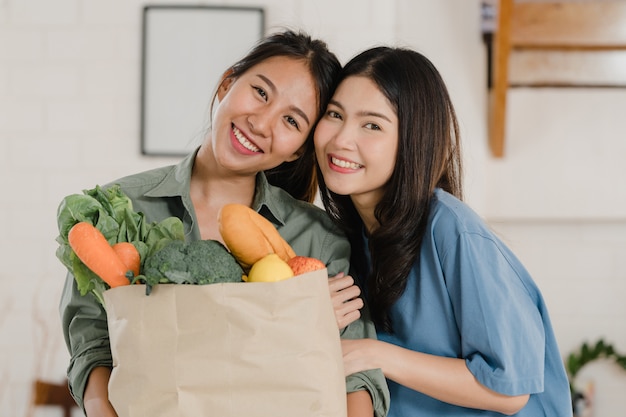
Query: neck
[
  {"x": 366, "y": 212},
  {"x": 211, "y": 186}
]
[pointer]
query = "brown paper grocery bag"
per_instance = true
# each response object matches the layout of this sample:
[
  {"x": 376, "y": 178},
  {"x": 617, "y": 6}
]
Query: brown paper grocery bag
[{"x": 226, "y": 350}]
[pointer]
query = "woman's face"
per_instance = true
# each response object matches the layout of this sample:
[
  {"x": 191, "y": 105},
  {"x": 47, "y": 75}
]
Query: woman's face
[
  {"x": 356, "y": 141},
  {"x": 264, "y": 116}
]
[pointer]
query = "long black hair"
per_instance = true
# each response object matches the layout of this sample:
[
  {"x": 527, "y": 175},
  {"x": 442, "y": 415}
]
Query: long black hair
[
  {"x": 299, "y": 177},
  {"x": 428, "y": 156}
]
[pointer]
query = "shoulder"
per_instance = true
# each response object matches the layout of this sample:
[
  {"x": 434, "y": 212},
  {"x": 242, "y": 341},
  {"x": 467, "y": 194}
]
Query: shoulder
[
  {"x": 454, "y": 227},
  {"x": 165, "y": 181},
  {"x": 140, "y": 185},
  {"x": 145, "y": 179},
  {"x": 461, "y": 237},
  {"x": 449, "y": 214}
]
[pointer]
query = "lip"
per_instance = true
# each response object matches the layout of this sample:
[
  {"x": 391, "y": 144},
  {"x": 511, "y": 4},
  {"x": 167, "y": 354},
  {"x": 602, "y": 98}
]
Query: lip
[
  {"x": 342, "y": 165},
  {"x": 236, "y": 137}
]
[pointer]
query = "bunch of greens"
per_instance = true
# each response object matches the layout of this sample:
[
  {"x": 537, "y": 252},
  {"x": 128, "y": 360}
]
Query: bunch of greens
[{"x": 111, "y": 211}]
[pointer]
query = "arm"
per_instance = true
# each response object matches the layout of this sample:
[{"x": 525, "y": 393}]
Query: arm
[
  {"x": 86, "y": 335},
  {"x": 446, "y": 379},
  {"x": 360, "y": 404},
  {"x": 96, "y": 398}
]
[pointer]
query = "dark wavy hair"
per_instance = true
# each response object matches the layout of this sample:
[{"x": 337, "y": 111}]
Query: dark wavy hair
[
  {"x": 428, "y": 156},
  {"x": 299, "y": 177}
]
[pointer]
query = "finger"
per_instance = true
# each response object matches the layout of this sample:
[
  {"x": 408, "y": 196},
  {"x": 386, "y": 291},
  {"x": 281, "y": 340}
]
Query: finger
[
  {"x": 338, "y": 283},
  {"x": 346, "y": 320},
  {"x": 350, "y": 306},
  {"x": 345, "y": 295}
]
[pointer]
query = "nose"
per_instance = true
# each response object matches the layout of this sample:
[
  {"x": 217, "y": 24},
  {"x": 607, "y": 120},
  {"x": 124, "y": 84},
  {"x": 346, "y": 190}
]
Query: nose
[
  {"x": 343, "y": 137},
  {"x": 261, "y": 123}
]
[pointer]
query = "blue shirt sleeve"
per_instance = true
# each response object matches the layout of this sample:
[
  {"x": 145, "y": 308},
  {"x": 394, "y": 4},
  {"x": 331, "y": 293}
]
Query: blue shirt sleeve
[{"x": 502, "y": 334}]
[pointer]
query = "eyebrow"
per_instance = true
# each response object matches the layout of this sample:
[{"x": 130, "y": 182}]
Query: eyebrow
[
  {"x": 292, "y": 108},
  {"x": 362, "y": 112}
]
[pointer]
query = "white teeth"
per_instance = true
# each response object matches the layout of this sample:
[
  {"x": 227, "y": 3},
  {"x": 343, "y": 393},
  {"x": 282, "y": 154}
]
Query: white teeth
[
  {"x": 245, "y": 142},
  {"x": 345, "y": 164}
]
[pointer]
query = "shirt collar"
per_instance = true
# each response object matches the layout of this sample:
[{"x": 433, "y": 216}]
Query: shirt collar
[
  {"x": 177, "y": 181},
  {"x": 268, "y": 200}
]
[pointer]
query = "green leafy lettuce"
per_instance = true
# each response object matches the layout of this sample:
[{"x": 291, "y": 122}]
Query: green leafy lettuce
[{"x": 111, "y": 211}]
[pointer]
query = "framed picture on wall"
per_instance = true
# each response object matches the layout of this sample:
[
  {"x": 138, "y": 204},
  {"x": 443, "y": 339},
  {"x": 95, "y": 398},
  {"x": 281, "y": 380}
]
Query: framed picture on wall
[{"x": 185, "y": 51}]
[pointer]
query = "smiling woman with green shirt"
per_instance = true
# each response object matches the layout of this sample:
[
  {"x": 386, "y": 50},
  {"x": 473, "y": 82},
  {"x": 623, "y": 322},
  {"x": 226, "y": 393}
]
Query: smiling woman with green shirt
[{"x": 267, "y": 105}]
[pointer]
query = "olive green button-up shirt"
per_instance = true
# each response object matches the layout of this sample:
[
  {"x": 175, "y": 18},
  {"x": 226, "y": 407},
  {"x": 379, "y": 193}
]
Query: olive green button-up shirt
[{"x": 164, "y": 192}]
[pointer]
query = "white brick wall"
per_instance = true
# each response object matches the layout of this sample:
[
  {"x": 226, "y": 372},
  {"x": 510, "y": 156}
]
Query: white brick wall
[
  {"x": 42, "y": 13},
  {"x": 69, "y": 119}
]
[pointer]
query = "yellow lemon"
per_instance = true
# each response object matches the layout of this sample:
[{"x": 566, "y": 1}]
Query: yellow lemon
[{"x": 270, "y": 268}]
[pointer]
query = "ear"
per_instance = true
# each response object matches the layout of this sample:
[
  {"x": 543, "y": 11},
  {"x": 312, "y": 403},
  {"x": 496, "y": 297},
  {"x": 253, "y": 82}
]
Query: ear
[{"x": 225, "y": 83}]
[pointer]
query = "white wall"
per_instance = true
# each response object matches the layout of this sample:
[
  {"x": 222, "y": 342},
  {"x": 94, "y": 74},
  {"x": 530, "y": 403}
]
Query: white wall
[{"x": 69, "y": 119}]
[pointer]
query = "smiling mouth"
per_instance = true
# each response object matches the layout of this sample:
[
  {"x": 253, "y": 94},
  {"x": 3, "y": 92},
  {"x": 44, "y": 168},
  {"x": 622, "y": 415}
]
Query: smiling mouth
[
  {"x": 345, "y": 164},
  {"x": 241, "y": 138}
]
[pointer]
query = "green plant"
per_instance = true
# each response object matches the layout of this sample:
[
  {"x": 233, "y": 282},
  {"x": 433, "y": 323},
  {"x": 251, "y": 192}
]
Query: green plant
[{"x": 587, "y": 353}]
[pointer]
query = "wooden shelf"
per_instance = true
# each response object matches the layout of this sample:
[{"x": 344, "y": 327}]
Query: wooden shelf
[{"x": 554, "y": 44}]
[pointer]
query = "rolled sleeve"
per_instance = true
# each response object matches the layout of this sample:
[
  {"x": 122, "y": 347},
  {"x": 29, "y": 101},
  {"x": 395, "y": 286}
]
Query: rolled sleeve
[
  {"x": 374, "y": 382},
  {"x": 86, "y": 336}
]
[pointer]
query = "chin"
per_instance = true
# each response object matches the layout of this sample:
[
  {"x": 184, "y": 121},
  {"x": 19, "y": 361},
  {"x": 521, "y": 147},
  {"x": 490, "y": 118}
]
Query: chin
[{"x": 339, "y": 190}]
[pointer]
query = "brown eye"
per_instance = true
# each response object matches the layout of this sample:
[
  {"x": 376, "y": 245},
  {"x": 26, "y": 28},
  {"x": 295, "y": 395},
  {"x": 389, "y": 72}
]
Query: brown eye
[
  {"x": 292, "y": 122},
  {"x": 333, "y": 114},
  {"x": 261, "y": 92}
]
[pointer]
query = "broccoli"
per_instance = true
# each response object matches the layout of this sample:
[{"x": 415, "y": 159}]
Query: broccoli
[
  {"x": 167, "y": 264},
  {"x": 198, "y": 262}
]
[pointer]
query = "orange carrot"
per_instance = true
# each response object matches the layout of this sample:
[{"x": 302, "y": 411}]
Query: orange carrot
[
  {"x": 129, "y": 255},
  {"x": 92, "y": 248}
]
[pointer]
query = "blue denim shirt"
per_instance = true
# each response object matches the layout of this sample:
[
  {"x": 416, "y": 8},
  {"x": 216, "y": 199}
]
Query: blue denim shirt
[{"x": 469, "y": 297}]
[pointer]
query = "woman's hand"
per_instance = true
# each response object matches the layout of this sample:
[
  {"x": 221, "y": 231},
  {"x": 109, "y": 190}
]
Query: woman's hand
[
  {"x": 345, "y": 299},
  {"x": 359, "y": 355}
]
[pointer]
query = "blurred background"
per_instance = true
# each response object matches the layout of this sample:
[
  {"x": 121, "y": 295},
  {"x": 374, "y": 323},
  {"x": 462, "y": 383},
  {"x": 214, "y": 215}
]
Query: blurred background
[{"x": 70, "y": 117}]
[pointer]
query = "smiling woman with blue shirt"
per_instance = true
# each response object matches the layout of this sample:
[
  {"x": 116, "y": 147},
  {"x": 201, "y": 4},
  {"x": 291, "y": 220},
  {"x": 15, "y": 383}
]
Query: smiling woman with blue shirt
[{"x": 462, "y": 328}]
